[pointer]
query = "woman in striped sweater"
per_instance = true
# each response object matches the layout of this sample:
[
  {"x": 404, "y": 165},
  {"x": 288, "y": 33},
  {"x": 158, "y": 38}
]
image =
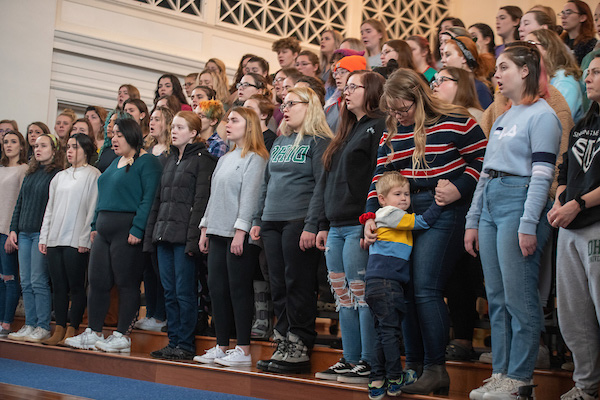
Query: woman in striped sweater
[{"x": 428, "y": 140}]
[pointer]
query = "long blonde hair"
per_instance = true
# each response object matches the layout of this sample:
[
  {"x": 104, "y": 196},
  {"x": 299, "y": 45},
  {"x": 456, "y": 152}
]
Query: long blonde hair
[
  {"x": 218, "y": 85},
  {"x": 314, "y": 123},
  {"x": 407, "y": 85},
  {"x": 253, "y": 137}
]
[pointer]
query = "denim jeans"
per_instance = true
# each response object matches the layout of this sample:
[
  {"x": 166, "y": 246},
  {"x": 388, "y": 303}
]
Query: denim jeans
[
  {"x": 346, "y": 264},
  {"x": 435, "y": 252},
  {"x": 34, "y": 281},
  {"x": 511, "y": 280},
  {"x": 9, "y": 288},
  {"x": 386, "y": 299},
  {"x": 178, "y": 277}
]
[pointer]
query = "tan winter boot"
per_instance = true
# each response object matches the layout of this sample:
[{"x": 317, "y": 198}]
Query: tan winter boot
[
  {"x": 59, "y": 334},
  {"x": 70, "y": 333}
]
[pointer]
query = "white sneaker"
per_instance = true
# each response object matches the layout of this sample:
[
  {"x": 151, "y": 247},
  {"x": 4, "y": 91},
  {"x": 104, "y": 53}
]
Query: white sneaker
[
  {"x": 22, "y": 333},
  {"x": 151, "y": 324},
  {"x": 139, "y": 323},
  {"x": 38, "y": 335},
  {"x": 235, "y": 358},
  {"x": 210, "y": 355},
  {"x": 115, "y": 343},
  {"x": 86, "y": 341},
  {"x": 486, "y": 358},
  {"x": 489, "y": 384},
  {"x": 508, "y": 389},
  {"x": 579, "y": 394}
]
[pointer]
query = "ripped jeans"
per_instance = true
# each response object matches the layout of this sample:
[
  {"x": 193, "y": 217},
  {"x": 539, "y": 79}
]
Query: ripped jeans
[{"x": 346, "y": 264}]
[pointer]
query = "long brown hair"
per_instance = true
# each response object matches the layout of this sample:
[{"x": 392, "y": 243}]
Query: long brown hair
[
  {"x": 466, "y": 94},
  {"x": 22, "y": 153},
  {"x": 557, "y": 55},
  {"x": 373, "y": 83},
  {"x": 408, "y": 85},
  {"x": 58, "y": 159},
  {"x": 167, "y": 116},
  {"x": 253, "y": 137},
  {"x": 586, "y": 31},
  {"x": 405, "y": 58}
]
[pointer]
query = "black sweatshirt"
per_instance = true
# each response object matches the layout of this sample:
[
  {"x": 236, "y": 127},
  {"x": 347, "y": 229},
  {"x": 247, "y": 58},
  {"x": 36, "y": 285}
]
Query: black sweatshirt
[
  {"x": 580, "y": 169},
  {"x": 346, "y": 185}
]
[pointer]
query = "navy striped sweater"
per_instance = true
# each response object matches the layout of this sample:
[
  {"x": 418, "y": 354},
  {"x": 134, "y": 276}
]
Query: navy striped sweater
[{"x": 454, "y": 151}]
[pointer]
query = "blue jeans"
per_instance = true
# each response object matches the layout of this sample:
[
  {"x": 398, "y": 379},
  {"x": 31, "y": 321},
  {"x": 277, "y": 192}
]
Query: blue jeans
[
  {"x": 34, "y": 281},
  {"x": 386, "y": 299},
  {"x": 435, "y": 252},
  {"x": 9, "y": 288},
  {"x": 346, "y": 263},
  {"x": 511, "y": 280},
  {"x": 178, "y": 277}
]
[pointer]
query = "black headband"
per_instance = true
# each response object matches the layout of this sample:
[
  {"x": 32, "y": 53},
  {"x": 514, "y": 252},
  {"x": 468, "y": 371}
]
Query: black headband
[{"x": 471, "y": 61}]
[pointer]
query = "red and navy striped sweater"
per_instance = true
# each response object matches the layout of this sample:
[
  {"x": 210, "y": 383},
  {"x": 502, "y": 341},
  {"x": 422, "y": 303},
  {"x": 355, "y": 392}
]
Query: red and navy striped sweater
[{"x": 454, "y": 151}]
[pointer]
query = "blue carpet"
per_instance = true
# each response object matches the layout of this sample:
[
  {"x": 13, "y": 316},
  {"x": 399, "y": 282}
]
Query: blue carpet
[{"x": 97, "y": 386}]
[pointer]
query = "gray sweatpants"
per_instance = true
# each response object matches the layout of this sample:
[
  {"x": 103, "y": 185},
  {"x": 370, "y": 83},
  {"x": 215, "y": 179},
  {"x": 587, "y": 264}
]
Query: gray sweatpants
[{"x": 578, "y": 292}]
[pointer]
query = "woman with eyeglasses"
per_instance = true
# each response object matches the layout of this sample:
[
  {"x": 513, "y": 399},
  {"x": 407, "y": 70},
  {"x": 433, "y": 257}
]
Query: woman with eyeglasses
[
  {"x": 578, "y": 24},
  {"x": 428, "y": 139},
  {"x": 349, "y": 162},
  {"x": 575, "y": 213},
  {"x": 461, "y": 52},
  {"x": 562, "y": 69},
  {"x": 341, "y": 71},
  {"x": 251, "y": 84},
  {"x": 289, "y": 233},
  {"x": 505, "y": 222},
  {"x": 457, "y": 86},
  {"x": 307, "y": 63}
]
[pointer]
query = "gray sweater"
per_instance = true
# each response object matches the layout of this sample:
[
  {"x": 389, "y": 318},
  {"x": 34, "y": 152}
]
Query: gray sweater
[
  {"x": 290, "y": 180},
  {"x": 234, "y": 193}
]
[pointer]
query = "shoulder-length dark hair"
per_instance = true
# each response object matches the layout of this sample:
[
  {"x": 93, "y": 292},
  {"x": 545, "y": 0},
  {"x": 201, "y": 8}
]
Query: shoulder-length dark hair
[
  {"x": 515, "y": 14},
  {"x": 142, "y": 107},
  {"x": 22, "y": 154},
  {"x": 58, "y": 159},
  {"x": 132, "y": 132},
  {"x": 536, "y": 82},
  {"x": 86, "y": 143},
  {"x": 177, "y": 89},
  {"x": 486, "y": 32},
  {"x": 239, "y": 74},
  {"x": 373, "y": 83},
  {"x": 405, "y": 58}
]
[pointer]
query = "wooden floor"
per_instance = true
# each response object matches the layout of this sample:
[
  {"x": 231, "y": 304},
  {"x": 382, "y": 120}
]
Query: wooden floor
[
  {"x": 248, "y": 381},
  {"x": 13, "y": 392}
]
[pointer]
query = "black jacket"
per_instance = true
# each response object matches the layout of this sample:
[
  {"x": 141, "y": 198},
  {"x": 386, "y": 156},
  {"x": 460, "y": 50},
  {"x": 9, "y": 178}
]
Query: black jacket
[
  {"x": 346, "y": 185},
  {"x": 181, "y": 198}
]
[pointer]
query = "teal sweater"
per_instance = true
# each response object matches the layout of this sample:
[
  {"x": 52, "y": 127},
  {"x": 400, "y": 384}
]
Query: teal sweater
[
  {"x": 131, "y": 191},
  {"x": 31, "y": 203}
]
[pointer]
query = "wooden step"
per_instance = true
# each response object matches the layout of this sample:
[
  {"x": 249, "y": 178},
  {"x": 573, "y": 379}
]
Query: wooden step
[{"x": 248, "y": 381}]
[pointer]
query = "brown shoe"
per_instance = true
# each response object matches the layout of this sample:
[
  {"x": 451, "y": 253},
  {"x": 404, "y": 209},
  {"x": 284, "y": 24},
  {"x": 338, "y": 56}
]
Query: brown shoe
[
  {"x": 59, "y": 334},
  {"x": 70, "y": 333}
]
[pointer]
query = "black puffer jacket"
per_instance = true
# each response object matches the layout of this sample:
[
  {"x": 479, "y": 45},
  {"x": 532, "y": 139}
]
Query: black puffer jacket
[{"x": 181, "y": 198}]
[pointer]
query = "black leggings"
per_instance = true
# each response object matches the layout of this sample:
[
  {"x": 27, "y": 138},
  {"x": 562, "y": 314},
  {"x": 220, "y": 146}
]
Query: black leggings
[
  {"x": 113, "y": 261},
  {"x": 67, "y": 268},
  {"x": 293, "y": 278},
  {"x": 231, "y": 290}
]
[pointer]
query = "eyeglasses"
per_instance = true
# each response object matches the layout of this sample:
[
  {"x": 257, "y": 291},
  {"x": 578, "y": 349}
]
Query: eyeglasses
[
  {"x": 402, "y": 112},
  {"x": 277, "y": 80},
  {"x": 567, "y": 13},
  {"x": 245, "y": 85},
  {"x": 352, "y": 87},
  {"x": 290, "y": 104},
  {"x": 340, "y": 72},
  {"x": 439, "y": 80}
]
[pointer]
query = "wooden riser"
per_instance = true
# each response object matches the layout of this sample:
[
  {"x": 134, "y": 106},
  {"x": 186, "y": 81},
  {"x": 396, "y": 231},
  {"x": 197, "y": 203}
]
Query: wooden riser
[{"x": 247, "y": 381}]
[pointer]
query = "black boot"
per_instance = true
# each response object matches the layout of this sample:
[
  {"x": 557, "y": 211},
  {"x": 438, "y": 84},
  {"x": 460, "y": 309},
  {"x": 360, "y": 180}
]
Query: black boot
[
  {"x": 281, "y": 342},
  {"x": 434, "y": 379}
]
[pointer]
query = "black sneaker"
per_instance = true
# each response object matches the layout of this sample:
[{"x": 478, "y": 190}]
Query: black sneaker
[
  {"x": 359, "y": 374},
  {"x": 296, "y": 359},
  {"x": 337, "y": 369},
  {"x": 163, "y": 353},
  {"x": 181, "y": 354}
]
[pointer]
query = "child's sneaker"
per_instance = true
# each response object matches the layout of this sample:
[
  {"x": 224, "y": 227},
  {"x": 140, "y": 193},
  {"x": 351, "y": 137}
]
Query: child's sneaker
[
  {"x": 377, "y": 393},
  {"x": 337, "y": 369},
  {"x": 235, "y": 358},
  {"x": 394, "y": 387},
  {"x": 210, "y": 355},
  {"x": 86, "y": 341},
  {"x": 580, "y": 394},
  {"x": 115, "y": 343},
  {"x": 22, "y": 333},
  {"x": 359, "y": 374}
]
